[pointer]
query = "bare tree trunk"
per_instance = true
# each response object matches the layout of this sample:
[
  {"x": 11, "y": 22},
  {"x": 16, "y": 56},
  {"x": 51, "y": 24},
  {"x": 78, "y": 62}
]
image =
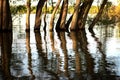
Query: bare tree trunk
[
  {"x": 83, "y": 13},
  {"x": 64, "y": 15},
  {"x": 1, "y": 13},
  {"x": 62, "y": 18},
  {"x": 98, "y": 15},
  {"x": 75, "y": 16},
  {"x": 28, "y": 4},
  {"x": 53, "y": 16},
  {"x": 38, "y": 14},
  {"x": 5, "y": 15}
]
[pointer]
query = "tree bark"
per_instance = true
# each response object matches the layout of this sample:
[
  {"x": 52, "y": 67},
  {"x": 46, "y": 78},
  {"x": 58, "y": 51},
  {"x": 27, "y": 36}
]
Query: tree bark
[
  {"x": 1, "y": 13},
  {"x": 28, "y": 4},
  {"x": 5, "y": 16},
  {"x": 83, "y": 13},
  {"x": 64, "y": 15},
  {"x": 98, "y": 15},
  {"x": 38, "y": 14},
  {"x": 75, "y": 16},
  {"x": 59, "y": 19},
  {"x": 62, "y": 18},
  {"x": 53, "y": 16}
]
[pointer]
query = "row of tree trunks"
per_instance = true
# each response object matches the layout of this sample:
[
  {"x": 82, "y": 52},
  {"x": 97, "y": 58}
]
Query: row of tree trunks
[
  {"x": 53, "y": 15},
  {"x": 5, "y": 16},
  {"x": 28, "y": 4},
  {"x": 80, "y": 14},
  {"x": 38, "y": 14},
  {"x": 78, "y": 18},
  {"x": 98, "y": 15}
]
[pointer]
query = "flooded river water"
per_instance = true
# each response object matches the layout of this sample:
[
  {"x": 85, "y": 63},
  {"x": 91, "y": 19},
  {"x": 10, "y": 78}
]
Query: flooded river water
[{"x": 82, "y": 55}]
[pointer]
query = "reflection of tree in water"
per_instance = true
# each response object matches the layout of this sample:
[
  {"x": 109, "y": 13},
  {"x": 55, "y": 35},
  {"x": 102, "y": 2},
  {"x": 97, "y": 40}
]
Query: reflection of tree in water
[
  {"x": 88, "y": 60},
  {"x": 104, "y": 67},
  {"x": 78, "y": 64},
  {"x": 62, "y": 38},
  {"x": 117, "y": 29},
  {"x": 43, "y": 61},
  {"x": 54, "y": 61},
  {"x": 29, "y": 55},
  {"x": 84, "y": 63},
  {"x": 6, "y": 48},
  {"x": 39, "y": 47}
]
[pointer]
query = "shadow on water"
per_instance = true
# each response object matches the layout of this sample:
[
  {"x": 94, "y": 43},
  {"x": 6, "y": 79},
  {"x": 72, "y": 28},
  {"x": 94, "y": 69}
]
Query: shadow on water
[{"x": 46, "y": 55}]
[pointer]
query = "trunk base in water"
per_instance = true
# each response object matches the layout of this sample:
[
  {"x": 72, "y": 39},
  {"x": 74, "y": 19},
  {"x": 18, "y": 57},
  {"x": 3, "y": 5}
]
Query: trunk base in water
[{"x": 27, "y": 30}]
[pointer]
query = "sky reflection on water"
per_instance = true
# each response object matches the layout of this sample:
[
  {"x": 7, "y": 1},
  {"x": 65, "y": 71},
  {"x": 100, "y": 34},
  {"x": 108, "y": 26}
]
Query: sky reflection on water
[{"x": 82, "y": 55}]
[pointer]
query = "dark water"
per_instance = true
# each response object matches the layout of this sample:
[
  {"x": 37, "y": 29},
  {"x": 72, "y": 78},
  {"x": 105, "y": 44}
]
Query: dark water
[{"x": 82, "y": 55}]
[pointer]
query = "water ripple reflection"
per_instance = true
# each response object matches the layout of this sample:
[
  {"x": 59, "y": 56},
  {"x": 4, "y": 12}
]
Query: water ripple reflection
[{"x": 82, "y": 55}]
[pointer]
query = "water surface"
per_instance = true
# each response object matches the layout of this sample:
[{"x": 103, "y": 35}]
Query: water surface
[{"x": 44, "y": 55}]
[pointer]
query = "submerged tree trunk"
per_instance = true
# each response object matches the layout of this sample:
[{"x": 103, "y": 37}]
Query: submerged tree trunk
[
  {"x": 98, "y": 15},
  {"x": 53, "y": 16},
  {"x": 28, "y": 4},
  {"x": 75, "y": 15},
  {"x": 5, "y": 15},
  {"x": 38, "y": 14}
]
